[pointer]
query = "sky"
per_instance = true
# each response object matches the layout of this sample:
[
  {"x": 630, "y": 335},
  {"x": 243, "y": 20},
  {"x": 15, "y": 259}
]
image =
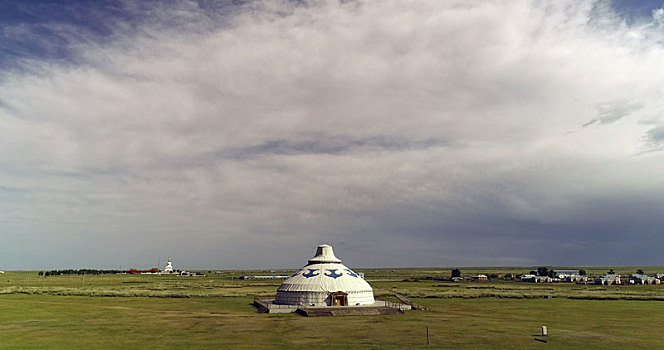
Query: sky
[{"x": 242, "y": 134}]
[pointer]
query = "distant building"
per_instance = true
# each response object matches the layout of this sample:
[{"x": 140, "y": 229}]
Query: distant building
[
  {"x": 263, "y": 277},
  {"x": 608, "y": 279},
  {"x": 643, "y": 279},
  {"x": 526, "y": 278},
  {"x": 169, "y": 266},
  {"x": 191, "y": 274},
  {"x": 534, "y": 278},
  {"x": 509, "y": 276},
  {"x": 563, "y": 273},
  {"x": 480, "y": 278},
  {"x": 543, "y": 279},
  {"x": 575, "y": 278},
  {"x": 571, "y": 277}
]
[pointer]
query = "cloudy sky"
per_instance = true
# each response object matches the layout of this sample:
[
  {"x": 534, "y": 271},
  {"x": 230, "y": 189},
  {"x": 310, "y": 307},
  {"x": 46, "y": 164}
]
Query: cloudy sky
[{"x": 241, "y": 134}]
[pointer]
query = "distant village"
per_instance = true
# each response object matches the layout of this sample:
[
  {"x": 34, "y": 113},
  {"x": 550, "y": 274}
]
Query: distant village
[
  {"x": 546, "y": 275},
  {"x": 168, "y": 270}
]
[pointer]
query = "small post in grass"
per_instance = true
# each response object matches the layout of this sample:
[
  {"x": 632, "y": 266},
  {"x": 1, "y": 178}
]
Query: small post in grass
[
  {"x": 545, "y": 331},
  {"x": 427, "y": 335}
]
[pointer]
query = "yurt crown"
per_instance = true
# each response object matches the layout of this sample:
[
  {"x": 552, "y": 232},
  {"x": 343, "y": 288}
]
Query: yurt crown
[{"x": 324, "y": 254}]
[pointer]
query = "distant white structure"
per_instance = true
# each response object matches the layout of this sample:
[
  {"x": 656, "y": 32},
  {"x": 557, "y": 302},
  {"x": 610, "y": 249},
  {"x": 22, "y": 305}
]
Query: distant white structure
[
  {"x": 480, "y": 278},
  {"x": 271, "y": 277},
  {"x": 569, "y": 276},
  {"x": 169, "y": 266},
  {"x": 608, "y": 279},
  {"x": 534, "y": 278},
  {"x": 325, "y": 281},
  {"x": 643, "y": 279}
]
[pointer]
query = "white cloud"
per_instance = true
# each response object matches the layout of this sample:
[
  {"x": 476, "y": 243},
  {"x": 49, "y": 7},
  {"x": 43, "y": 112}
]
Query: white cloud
[
  {"x": 362, "y": 121},
  {"x": 658, "y": 15}
]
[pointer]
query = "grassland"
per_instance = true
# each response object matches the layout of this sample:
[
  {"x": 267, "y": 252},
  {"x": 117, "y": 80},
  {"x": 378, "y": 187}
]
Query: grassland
[{"x": 143, "y": 311}]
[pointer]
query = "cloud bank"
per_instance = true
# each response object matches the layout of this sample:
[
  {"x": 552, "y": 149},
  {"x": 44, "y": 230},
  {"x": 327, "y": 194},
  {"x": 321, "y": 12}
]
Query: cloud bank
[{"x": 431, "y": 133}]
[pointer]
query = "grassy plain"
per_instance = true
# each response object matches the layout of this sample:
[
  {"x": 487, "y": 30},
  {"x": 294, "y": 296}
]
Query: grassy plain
[{"x": 171, "y": 312}]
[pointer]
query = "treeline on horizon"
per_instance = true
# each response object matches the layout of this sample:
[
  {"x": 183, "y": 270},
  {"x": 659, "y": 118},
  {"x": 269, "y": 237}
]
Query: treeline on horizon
[{"x": 79, "y": 272}]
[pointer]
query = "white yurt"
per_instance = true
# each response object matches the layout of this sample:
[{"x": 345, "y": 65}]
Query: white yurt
[{"x": 325, "y": 281}]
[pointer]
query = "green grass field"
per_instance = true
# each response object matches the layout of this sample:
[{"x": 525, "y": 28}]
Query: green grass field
[{"x": 171, "y": 312}]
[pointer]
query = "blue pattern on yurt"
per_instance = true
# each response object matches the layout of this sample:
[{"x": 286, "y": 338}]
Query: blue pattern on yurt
[
  {"x": 333, "y": 273},
  {"x": 351, "y": 273},
  {"x": 311, "y": 273}
]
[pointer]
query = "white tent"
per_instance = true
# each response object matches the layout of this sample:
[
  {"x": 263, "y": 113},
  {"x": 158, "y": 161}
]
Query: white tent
[{"x": 325, "y": 281}]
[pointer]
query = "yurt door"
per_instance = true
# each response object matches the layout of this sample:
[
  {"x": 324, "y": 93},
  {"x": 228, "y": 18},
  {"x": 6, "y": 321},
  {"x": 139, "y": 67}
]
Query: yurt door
[{"x": 339, "y": 299}]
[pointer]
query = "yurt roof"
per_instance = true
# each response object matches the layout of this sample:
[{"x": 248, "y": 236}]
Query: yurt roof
[
  {"x": 324, "y": 254},
  {"x": 325, "y": 273}
]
